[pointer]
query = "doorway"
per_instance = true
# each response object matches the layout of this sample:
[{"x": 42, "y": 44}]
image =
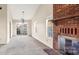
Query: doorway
[{"x": 22, "y": 29}]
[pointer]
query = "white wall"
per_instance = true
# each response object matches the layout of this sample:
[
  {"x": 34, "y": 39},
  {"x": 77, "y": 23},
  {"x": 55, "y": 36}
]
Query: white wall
[
  {"x": 5, "y": 19},
  {"x": 39, "y": 21},
  {"x": 3, "y": 24},
  {"x": 29, "y": 28},
  {"x": 15, "y": 27}
]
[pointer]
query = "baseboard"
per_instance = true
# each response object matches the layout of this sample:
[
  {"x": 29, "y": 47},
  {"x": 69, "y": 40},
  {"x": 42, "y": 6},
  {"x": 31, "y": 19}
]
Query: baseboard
[{"x": 42, "y": 42}]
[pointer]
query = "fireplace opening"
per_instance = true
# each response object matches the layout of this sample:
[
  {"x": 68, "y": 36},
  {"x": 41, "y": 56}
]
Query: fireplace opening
[{"x": 68, "y": 46}]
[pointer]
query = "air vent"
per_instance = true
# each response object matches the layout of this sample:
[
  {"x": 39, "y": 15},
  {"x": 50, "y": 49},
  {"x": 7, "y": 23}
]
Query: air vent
[{"x": 0, "y": 8}]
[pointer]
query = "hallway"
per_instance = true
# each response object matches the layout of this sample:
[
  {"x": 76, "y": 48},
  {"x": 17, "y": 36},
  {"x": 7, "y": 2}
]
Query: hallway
[
  {"x": 23, "y": 45},
  {"x": 18, "y": 22}
]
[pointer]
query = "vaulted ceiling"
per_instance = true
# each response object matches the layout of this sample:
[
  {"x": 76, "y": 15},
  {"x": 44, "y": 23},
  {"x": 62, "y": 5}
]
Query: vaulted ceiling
[{"x": 29, "y": 10}]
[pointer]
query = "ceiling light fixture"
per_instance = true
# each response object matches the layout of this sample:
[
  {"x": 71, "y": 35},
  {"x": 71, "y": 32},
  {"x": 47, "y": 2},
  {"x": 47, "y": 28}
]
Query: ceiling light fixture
[{"x": 22, "y": 19}]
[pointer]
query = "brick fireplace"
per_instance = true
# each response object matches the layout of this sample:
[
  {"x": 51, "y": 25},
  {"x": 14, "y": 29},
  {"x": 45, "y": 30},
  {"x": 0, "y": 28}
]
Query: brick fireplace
[{"x": 65, "y": 23}]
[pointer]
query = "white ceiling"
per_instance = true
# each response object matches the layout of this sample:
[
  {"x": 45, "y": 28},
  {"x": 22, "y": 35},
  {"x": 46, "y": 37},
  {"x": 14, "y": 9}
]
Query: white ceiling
[{"x": 29, "y": 10}]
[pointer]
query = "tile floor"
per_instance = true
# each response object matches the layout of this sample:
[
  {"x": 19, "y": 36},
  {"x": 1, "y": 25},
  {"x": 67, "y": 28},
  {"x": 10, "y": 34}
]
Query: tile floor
[{"x": 23, "y": 45}]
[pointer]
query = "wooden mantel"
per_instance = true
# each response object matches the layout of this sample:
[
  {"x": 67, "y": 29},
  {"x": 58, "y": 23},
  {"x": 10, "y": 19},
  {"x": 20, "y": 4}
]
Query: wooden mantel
[{"x": 69, "y": 16}]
